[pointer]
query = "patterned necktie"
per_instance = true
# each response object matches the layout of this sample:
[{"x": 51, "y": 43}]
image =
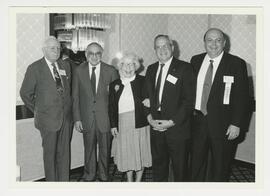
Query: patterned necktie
[
  {"x": 207, "y": 87},
  {"x": 93, "y": 80},
  {"x": 58, "y": 82},
  {"x": 157, "y": 90}
]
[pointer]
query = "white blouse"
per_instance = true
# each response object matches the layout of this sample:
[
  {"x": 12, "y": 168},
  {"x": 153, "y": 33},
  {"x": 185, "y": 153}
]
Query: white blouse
[{"x": 126, "y": 100}]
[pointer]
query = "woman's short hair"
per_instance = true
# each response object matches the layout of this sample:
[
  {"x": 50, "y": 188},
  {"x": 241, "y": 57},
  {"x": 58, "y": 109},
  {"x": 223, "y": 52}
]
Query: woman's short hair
[{"x": 134, "y": 59}]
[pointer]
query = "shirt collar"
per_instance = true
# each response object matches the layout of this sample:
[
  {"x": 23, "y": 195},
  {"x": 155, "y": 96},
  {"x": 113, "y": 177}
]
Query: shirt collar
[
  {"x": 127, "y": 80},
  {"x": 49, "y": 62},
  {"x": 167, "y": 63},
  {"x": 216, "y": 59},
  {"x": 97, "y": 66}
]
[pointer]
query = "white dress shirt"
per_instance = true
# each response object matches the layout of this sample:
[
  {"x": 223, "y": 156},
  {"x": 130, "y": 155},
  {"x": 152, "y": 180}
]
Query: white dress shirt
[
  {"x": 126, "y": 101},
  {"x": 97, "y": 72},
  {"x": 163, "y": 78},
  {"x": 201, "y": 77},
  {"x": 51, "y": 67}
]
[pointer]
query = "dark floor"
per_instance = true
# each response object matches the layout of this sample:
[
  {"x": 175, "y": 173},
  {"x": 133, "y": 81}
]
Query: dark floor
[{"x": 241, "y": 172}]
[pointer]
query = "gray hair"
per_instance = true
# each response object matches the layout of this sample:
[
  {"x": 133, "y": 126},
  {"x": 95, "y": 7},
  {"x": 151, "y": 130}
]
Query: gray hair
[
  {"x": 134, "y": 59},
  {"x": 48, "y": 39},
  {"x": 164, "y": 36}
]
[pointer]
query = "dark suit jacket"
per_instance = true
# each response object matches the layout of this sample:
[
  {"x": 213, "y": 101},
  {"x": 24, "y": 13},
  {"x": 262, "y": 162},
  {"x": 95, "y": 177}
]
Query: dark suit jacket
[
  {"x": 116, "y": 89},
  {"x": 220, "y": 116},
  {"x": 85, "y": 106},
  {"x": 177, "y": 99},
  {"x": 39, "y": 93}
]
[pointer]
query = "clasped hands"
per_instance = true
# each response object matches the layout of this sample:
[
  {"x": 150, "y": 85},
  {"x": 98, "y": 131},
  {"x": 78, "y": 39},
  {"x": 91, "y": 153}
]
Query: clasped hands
[{"x": 159, "y": 125}]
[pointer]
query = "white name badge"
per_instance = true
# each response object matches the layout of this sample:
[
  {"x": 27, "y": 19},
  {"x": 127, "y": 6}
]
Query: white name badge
[
  {"x": 171, "y": 79},
  {"x": 228, "y": 80},
  {"x": 62, "y": 72}
]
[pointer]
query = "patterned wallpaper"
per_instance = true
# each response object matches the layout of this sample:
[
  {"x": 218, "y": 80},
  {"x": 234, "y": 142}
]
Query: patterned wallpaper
[
  {"x": 187, "y": 30},
  {"x": 30, "y": 35}
]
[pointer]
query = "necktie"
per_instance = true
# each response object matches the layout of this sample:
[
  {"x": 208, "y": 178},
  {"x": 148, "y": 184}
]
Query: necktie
[
  {"x": 207, "y": 87},
  {"x": 93, "y": 80},
  {"x": 58, "y": 82},
  {"x": 158, "y": 86}
]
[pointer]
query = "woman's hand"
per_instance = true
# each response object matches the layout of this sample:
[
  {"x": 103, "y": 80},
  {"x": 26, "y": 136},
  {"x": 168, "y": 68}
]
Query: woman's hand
[
  {"x": 146, "y": 103},
  {"x": 114, "y": 131}
]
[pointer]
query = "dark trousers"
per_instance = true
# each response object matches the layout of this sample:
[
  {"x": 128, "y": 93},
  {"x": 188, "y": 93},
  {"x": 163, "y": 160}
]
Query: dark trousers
[
  {"x": 221, "y": 151},
  {"x": 56, "y": 152},
  {"x": 166, "y": 147},
  {"x": 91, "y": 138}
]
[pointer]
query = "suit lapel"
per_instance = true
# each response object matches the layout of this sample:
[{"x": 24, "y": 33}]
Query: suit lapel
[
  {"x": 46, "y": 71},
  {"x": 102, "y": 73},
  {"x": 172, "y": 70},
  {"x": 85, "y": 77}
]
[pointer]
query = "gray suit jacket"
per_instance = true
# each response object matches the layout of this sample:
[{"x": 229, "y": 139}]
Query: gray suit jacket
[
  {"x": 85, "y": 107},
  {"x": 39, "y": 93}
]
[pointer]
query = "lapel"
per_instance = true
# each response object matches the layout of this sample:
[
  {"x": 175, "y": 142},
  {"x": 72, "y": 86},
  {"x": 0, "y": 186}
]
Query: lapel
[
  {"x": 135, "y": 87},
  {"x": 102, "y": 73},
  {"x": 153, "y": 76},
  {"x": 63, "y": 78},
  {"x": 198, "y": 64},
  {"x": 120, "y": 90},
  {"x": 218, "y": 76},
  {"x": 172, "y": 70},
  {"x": 85, "y": 78},
  {"x": 46, "y": 72}
]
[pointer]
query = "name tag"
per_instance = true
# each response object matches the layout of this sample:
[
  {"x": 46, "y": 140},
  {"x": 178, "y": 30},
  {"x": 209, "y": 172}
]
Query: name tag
[
  {"x": 171, "y": 79},
  {"x": 62, "y": 72},
  {"x": 228, "y": 80}
]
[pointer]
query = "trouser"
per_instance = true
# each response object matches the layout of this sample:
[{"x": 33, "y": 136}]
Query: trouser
[
  {"x": 166, "y": 147},
  {"x": 56, "y": 152},
  {"x": 91, "y": 139},
  {"x": 221, "y": 153}
]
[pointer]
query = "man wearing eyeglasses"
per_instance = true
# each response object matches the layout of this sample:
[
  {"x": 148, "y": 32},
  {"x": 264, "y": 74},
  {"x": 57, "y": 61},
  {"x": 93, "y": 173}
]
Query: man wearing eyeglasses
[
  {"x": 170, "y": 90},
  {"x": 90, "y": 91},
  {"x": 46, "y": 92}
]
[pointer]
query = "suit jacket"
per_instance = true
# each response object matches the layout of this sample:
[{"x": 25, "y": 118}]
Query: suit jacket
[
  {"x": 116, "y": 89},
  {"x": 177, "y": 99},
  {"x": 39, "y": 93},
  {"x": 85, "y": 106},
  {"x": 220, "y": 115}
]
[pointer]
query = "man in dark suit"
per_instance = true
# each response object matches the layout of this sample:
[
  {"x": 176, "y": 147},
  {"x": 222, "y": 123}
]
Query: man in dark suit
[
  {"x": 46, "y": 92},
  {"x": 221, "y": 102},
  {"x": 170, "y": 89},
  {"x": 90, "y": 92}
]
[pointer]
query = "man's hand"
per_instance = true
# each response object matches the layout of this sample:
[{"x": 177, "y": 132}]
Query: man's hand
[
  {"x": 114, "y": 131},
  {"x": 146, "y": 103},
  {"x": 233, "y": 132},
  {"x": 165, "y": 124},
  {"x": 78, "y": 126}
]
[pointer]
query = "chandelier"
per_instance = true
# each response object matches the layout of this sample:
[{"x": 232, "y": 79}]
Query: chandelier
[{"x": 78, "y": 30}]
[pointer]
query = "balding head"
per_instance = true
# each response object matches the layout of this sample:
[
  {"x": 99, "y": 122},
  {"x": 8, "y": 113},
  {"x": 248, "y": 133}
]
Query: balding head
[
  {"x": 214, "y": 42},
  {"x": 51, "y": 49}
]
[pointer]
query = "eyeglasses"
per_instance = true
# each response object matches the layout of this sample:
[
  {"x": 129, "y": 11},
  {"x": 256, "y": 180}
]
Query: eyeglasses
[
  {"x": 164, "y": 47},
  {"x": 98, "y": 54}
]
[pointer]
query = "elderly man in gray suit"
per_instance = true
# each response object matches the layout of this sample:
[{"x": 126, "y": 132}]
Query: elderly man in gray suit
[
  {"x": 46, "y": 92},
  {"x": 90, "y": 111}
]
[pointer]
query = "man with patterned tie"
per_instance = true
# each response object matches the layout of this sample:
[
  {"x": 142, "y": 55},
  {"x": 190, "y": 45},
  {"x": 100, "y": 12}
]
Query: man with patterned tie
[
  {"x": 221, "y": 102},
  {"x": 90, "y": 92},
  {"x": 170, "y": 90},
  {"x": 46, "y": 92}
]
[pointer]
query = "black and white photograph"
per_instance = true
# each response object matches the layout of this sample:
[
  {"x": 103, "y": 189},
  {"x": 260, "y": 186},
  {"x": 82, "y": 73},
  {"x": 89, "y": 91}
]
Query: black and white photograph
[{"x": 136, "y": 96}]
